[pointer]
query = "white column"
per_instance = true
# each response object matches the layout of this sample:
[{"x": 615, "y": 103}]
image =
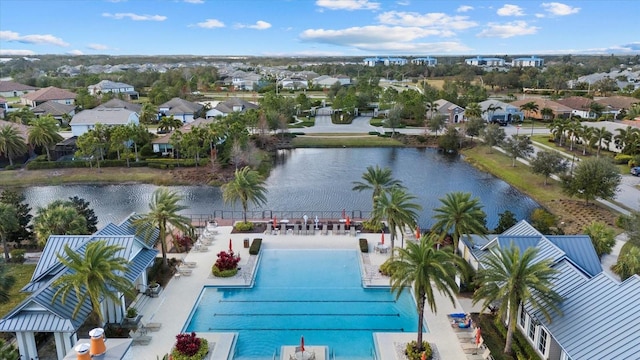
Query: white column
[
  {"x": 62, "y": 346},
  {"x": 27, "y": 345}
]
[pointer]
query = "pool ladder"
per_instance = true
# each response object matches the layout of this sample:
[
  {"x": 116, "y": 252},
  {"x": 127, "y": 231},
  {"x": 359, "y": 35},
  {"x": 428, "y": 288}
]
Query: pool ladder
[{"x": 275, "y": 354}]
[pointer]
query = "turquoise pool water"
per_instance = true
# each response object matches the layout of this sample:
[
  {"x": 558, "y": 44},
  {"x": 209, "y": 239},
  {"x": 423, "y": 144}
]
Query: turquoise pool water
[{"x": 317, "y": 294}]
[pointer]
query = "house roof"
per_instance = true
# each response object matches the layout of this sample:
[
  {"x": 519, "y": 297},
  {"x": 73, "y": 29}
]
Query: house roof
[
  {"x": 228, "y": 106},
  {"x": 557, "y": 107},
  {"x": 106, "y": 116},
  {"x": 618, "y": 102},
  {"x": 109, "y": 85},
  {"x": 49, "y": 93},
  {"x": 164, "y": 139},
  {"x": 578, "y": 250},
  {"x": 6, "y": 86},
  {"x": 117, "y": 103},
  {"x": 576, "y": 102},
  {"x": 23, "y": 130},
  {"x": 126, "y": 227},
  {"x": 53, "y": 108},
  {"x": 180, "y": 106}
]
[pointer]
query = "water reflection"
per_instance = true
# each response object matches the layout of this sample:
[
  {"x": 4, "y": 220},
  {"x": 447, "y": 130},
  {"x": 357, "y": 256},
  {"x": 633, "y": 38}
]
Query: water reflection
[{"x": 318, "y": 180}]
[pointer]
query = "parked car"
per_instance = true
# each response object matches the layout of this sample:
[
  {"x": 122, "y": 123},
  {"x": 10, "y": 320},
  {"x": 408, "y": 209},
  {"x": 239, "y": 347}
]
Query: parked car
[{"x": 635, "y": 171}]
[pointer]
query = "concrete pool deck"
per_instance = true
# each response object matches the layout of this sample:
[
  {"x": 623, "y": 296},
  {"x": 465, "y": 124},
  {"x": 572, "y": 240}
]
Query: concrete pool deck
[{"x": 174, "y": 304}]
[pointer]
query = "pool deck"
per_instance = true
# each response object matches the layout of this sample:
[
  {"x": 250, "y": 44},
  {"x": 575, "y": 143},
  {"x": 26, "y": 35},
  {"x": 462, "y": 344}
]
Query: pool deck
[{"x": 173, "y": 305}]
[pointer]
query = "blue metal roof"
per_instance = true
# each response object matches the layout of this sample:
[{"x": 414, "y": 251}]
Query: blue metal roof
[
  {"x": 580, "y": 250},
  {"x": 522, "y": 228},
  {"x": 55, "y": 246}
]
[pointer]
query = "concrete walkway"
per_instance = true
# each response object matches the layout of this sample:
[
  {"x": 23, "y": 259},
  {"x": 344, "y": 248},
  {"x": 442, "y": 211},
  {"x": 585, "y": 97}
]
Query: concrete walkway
[{"x": 174, "y": 304}]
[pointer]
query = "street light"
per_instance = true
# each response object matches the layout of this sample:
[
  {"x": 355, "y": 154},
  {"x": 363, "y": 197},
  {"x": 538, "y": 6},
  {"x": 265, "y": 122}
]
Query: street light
[{"x": 518, "y": 130}]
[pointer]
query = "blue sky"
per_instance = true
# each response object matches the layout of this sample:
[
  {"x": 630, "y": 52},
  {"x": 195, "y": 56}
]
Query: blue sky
[{"x": 318, "y": 27}]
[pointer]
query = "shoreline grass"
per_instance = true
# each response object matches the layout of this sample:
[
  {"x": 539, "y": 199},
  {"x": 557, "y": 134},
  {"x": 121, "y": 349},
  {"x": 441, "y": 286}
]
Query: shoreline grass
[
  {"x": 22, "y": 273},
  {"x": 344, "y": 141}
]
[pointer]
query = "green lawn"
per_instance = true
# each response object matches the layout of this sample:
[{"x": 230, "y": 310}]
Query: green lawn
[
  {"x": 22, "y": 273},
  {"x": 333, "y": 140}
]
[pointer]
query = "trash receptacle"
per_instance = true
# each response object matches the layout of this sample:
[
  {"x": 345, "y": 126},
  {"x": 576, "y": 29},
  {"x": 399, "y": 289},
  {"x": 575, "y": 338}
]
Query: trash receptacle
[{"x": 246, "y": 243}]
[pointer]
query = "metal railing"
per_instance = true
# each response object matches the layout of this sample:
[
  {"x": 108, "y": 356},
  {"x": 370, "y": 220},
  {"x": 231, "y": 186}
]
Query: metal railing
[{"x": 266, "y": 215}]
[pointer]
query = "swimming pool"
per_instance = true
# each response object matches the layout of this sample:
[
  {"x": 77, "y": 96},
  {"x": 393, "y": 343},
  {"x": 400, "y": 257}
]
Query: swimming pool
[{"x": 317, "y": 294}]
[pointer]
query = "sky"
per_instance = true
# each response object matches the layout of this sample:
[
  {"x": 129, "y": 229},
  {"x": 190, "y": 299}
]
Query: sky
[{"x": 318, "y": 27}]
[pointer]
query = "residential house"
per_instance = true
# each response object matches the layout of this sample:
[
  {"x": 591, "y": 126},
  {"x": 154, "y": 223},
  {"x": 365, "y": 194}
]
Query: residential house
[
  {"x": 4, "y": 106},
  {"x": 599, "y": 315},
  {"x": 485, "y": 61},
  {"x": 374, "y": 61},
  {"x": 13, "y": 89},
  {"x": 117, "y": 103},
  {"x": 42, "y": 312},
  {"x": 87, "y": 119},
  {"x": 224, "y": 108},
  {"x": 293, "y": 83},
  {"x": 185, "y": 111},
  {"x": 326, "y": 81},
  {"x": 428, "y": 61},
  {"x": 108, "y": 86},
  {"x": 559, "y": 110},
  {"x": 242, "y": 80},
  {"x": 452, "y": 112},
  {"x": 496, "y": 111},
  {"x": 163, "y": 145},
  {"x": 61, "y": 112},
  {"x": 50, "y": 93},
  {"x": 580, "y": 106},
  {"x": 616, "y": 104},
  {"x": 532, "y": 61}
]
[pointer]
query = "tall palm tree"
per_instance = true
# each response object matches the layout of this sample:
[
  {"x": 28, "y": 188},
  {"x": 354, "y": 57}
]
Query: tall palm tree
[
  {"x": 94, "y": 275},
  {"x": 491, "y": 109},
  {"x": 547, "y": 113},
  {"x": 11, "y": 143},
  {"x": 558, "y": 128},
  {"x": 58, "y": 219},
  {"x": 513, "y": 279},
  {"x": 573, "y": 129},
  {"x": 163, "y": 212},
  {"x": 8, "y": 224},
  {"x": 247, "y": 186},
  {"x": 6, "y": 282},
  {"x": 44, "y": 132},
  {"x": 473, "y": 110},
  {"x": 528, "y": 108},
  {"x": 377, "y": 179},
  {"x": 425, "y": 268},
  {"x": 584, "y": 133},
  {"x": 628, "y": 140},
  {"x": 460, "y": 213},
  {"x": 397, "y": 206},
  {"x": 598, "y": 136},
  {"x": 149, "y": 113}
]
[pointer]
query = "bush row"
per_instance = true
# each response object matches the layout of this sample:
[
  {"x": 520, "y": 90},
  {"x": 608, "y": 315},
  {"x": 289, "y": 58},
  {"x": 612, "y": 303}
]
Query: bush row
[
  {"x": 254, "y": 249},
  {"x": 364, "y": 245},
  {"x": 152, "y": 163}
]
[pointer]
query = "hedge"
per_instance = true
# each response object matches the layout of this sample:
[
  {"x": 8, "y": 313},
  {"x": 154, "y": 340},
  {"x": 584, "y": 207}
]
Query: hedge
[
  {"x": 254, "y": 249},
  {"x": 364, "y": 245}
]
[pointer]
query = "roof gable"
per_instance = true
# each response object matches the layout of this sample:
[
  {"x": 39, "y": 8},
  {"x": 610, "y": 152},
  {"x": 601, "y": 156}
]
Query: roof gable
[
  {"x": 180, "y": 106},
  {"x": 7, "y": 86},
  {"x": 53, "y": 108},
  {"x": 105, "y": 116},
  {"x": 117, "y": 103},
  {"x": 49, "y": 93},
  {"x": 580, "y": 250}
]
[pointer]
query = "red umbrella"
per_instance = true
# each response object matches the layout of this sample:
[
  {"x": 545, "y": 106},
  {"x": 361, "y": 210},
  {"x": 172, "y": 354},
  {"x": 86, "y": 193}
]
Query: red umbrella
[
  {"x": 302, "y": 343},
  {"x": 478, "y": 336},
  {"x": 424, "y": 356},
  {"x": 348, "y": 221},
  {"x": 230, "y": 245},
  {"x": 382, "y": 238},
  {"x": 275, "y": 222},
  {"x": 418, "y": 232}
]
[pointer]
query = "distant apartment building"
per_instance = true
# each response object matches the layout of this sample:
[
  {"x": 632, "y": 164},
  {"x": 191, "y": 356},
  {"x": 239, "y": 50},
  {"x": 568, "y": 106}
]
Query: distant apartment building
[
  {"x": 532, "y": 61},
  {"x": 388, "y": 61},
  {"x": 484, "y": 61},
  {"x": 429, "y": 61}
]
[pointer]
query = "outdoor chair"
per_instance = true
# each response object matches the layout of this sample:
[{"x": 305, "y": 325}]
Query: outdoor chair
[
  {"x": 352, "y": 231},
  {"x": 152, "y": 326},
  {"x": 269, "y": 229},
  {"x": 341, "y": 230},
  {"x": 296, "y": 229},
  {"x": 325, "y": 230},
  {"x": 139, "y": 338},
  {"x": 190, "y": 264},
  {"x": 283, "y": 229}
]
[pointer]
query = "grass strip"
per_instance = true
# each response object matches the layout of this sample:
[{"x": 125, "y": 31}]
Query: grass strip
[
  {"x": 344, "y": 141},
  {"x": 22, "y": 273},
  {"x": 21, "y": 178}
]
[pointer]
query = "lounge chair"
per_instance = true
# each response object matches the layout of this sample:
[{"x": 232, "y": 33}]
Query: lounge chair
[
  {"x": 139, "y": 338},
  {"x": 296, "y": 229},
  {"x": 352, "y": 231},
  {"x": 325, "y": 229},
  {"x": 341, "y": 230},
  {"x": 152, "y": 326},
  {"x": 269, "y": 229},
  {"x": 190, "y": 264},
  {"x": 184, "y": 271},
  {"x": 283, "y": 229}
]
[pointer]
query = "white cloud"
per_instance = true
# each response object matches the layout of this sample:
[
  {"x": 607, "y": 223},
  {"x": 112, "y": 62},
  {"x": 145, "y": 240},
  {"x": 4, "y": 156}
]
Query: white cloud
[
  {"x": 403, "y": 2},
  {"x": 559, "y": 9},
  {"x": 210, "y": 24},
  {"x": 464, "y": 8},
  {"x": 135, "y": 17},
  {"x": 13, "y": 36},
  {"x": 97, "y": 47},
  {"x": 507, "y": 30},
  {"x": 259, "y": 25},
  {"x": 348, "y": 4},
  {"x": 4, "y": 52},
  {"x": 75, "y": 52},
  {"x": 440, "y": 21},
  {"x": 510, "y": 10},
  {"x": 194, "y": 1}
]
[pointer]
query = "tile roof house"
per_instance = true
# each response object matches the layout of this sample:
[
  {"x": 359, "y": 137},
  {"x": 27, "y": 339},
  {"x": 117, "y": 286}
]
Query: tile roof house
[
  {"x": 454, "y": 113},
  {"x": 615, "y": 104},
  {"x": 117, "y": 103},
  {"x": 162, "y": 144},
  {"x": 55, "y": 109},
  {"x": 559, "y": 110},
  {"x": 14, "y": 89},
  {"x": 42, "y": 312},
  {"x": 108, "y": 86},
  {"x": 87, "y": 119},
  {"x": 580, "y": 106},
  {"x": 50, "y": 93},
  {"x": 599, "y": 315},
  {"x": 224, "y": 108},
  {"x": 505, "y": 112},
  {"x": 181, "y": 109}
]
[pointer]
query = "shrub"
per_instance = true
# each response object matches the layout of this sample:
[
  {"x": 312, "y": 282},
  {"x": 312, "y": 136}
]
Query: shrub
[
  {"x": 385, "y": 268},
  {"x": 244, "y": 226},
  {"x": 364, "y": 245},
  {"x": 622, "y": 159},
  {"x": 13, "y": 167},
  {"x": 254, "y": 249},
  {"x": 412, "y": 350},
  {"x": 226, "y": 265},
  {"x": 189, "y": 347},
  {"x": 184, "y": 242},
  {"x": 17, "y": 255},
  {"x": 372, "y": 226},
  {"x": 132, "y": 312}
]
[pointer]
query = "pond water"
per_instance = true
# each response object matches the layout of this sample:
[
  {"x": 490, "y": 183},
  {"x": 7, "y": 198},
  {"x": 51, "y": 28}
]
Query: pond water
[{"x": 304, "y": 181}]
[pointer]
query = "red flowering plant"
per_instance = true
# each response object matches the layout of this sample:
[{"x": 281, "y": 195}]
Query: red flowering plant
[
  {"x": 226, "y": 265},
  {"x": 184, "y": 242},
  {"x": 189, "y": 347}
]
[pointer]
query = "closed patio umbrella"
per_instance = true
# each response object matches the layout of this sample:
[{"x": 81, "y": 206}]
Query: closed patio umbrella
[
  {"x": 418, "y": 232},
  {"x": 382, "y": 238},
  {"x": 230, "y": 246}
]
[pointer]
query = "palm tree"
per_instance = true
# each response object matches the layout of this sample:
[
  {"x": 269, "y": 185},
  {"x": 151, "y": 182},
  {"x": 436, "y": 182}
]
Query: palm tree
[
  {"x": 397, "y": 206},
  {"x": 573, "y": 128},
  {"x": 94, "y": 275},
  {"x": 149, "y": 113},
  {"x": 491, "y": 109},
  {"x": 44, "y": 132},
  {"x": 462, "y": 214},
  {"x": 599, "y": 136},
  {"x": 558, "y": 128},
  {"x": 628, "y": 263},
  {"x": 8, "y": 224},
  {"x": 58, "y": 218},
  {"x": 6, "y": 282},
  {"x": 596, "y": 108},
  {"x": 528, "y": 108},
  {"x": 11, "y": 143},
  {"x": 585, "y": 133},
  {"x": 247, "y": 186},
  {"x": 547, "y": 113},
  {"x": 424, "y": 268},
  {"x": 377, "y": 179},
  {"x": 163, "y": 212},
  {"x": 513, "y": 279},
  {"x": 473, "y": 111},
  {"x": 628, "y": 140}
]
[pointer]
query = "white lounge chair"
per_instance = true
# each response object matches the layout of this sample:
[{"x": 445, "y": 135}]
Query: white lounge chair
[
  {"x": 139, "y": 338},
  {"x": 190, "y": 264},
  {"x": 152, "y": 326}
]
